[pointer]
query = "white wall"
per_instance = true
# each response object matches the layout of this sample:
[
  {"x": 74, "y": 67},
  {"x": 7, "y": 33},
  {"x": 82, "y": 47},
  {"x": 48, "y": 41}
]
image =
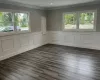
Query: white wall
[
  {"x": 16, "y": 44},
  {"x": 89, "y": 40}
]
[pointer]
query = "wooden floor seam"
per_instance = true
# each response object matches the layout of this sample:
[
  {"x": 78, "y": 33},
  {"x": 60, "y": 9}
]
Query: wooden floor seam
[{"x": 52, "y": 62}]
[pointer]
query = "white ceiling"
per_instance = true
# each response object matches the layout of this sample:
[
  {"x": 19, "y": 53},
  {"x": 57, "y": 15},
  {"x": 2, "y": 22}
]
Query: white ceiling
[{"x": 52, "y": 3}]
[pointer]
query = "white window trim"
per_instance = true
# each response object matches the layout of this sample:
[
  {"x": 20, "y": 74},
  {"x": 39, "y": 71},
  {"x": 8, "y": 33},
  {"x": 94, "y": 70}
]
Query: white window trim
[
  {"x": 16, "y": 32},
  {"x": 63, "y": 21},
  {"x": 28, "y": 23},
  {"x": 77, "y": 24}
]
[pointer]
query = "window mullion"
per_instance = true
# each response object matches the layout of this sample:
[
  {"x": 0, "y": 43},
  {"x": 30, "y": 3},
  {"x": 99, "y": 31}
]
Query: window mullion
[
  {"x": 14, "y": 21},
  {"x": 78, "y": 16}
]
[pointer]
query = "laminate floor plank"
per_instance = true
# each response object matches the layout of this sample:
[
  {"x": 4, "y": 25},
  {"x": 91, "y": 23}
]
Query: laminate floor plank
[{"x": 52, "y": 62}]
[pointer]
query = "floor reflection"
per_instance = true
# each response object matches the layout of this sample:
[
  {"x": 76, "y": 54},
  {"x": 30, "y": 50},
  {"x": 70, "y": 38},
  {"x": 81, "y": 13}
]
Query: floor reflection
[{"x": 79, "y": 65}]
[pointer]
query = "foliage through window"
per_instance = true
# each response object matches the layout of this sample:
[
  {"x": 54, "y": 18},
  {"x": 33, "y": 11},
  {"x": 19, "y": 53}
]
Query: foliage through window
[
  {"x": 86, "y": 20},
  {"x": 21, "y": 21},
  {"x": 79, "y": 20},
  {"x": 6, "y": 22},
  {"x": 70, "y": 21},
  {"x": 10, "y": 21}
]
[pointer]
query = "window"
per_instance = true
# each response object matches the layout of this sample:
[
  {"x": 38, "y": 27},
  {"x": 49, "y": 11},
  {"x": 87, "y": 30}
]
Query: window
[
  {"x": 86, "y": 20},
  {"x": 70, "y": 21},
  {"x": 11, "y": 21},
  {"x": 21, "y": 21},
  {"x": 6, "y": 22},
  {"x": 79, "y": 20}
]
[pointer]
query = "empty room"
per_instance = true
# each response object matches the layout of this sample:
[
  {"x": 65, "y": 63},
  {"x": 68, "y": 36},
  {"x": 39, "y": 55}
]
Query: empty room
[{"x": 49, "y": 40}]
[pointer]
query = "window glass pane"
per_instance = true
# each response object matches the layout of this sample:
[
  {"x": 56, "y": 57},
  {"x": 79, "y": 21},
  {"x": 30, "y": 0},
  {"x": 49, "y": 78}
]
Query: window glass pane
[
  {"x": 21, "y": 21},
  {"x": 70, "y": 21},
  {"x": 6, "y": 24},
  {"x": 86, "y": 20}
]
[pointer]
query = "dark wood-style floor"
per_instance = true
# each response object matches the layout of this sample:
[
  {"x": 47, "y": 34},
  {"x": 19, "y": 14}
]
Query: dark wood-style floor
[{"x": 52, "y": 62}]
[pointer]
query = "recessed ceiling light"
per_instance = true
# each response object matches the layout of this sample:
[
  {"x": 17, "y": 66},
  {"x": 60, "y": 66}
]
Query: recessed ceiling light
[{"x": 51, "y": 3}]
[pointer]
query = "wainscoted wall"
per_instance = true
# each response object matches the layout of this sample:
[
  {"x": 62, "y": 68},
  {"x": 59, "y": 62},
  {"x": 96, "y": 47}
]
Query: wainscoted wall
[
  {"x": 78, "y": 39},
  {"x": 16, "y": 44}
]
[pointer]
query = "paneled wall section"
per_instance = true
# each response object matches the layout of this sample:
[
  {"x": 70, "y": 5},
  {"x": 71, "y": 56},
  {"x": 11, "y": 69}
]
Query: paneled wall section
[
  {"x": 89, "y": 40},
  {"x": 16, "y": 44}
]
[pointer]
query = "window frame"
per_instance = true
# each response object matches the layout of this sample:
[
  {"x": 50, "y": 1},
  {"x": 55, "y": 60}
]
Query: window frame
[
  {"x": 78, "y": 22},
  {"x": 64, "y": 20},
  {"x": 28, "y": 22},
  {"x": 15, "y": 29}
]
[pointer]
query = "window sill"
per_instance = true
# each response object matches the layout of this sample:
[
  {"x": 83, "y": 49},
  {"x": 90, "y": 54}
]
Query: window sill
[
  {"x": 12, "y": 33},
  {"x": 79, "y": 30}
]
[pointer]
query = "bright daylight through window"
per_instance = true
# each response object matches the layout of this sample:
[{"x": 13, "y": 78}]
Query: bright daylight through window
[
  {"x": 10, "y": 21},
  {"x": 70, "y": 21},
  {"x": 79, "y": 20},
  {"x": 86, "y": 20}
]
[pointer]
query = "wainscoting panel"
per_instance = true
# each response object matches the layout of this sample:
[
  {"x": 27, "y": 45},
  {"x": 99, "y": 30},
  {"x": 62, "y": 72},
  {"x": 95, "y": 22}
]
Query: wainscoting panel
[
  {"x": 24, "y": 39},
  {"x": 78, "y": 39},
  {"x": 16, "y": 44},
  {"x": 40, "y": 39},
  {"x": 37, "y": 39},
  {"x": 0, "y": 48},
  {"x": 7, "y": 44}
]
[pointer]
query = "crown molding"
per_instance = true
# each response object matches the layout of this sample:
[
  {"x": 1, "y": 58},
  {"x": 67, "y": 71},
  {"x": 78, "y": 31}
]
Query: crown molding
[
  {"x": 75, "y": 5},
  {"x": 97, "y": 2},
  {"x": 21, "y": 4}
]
